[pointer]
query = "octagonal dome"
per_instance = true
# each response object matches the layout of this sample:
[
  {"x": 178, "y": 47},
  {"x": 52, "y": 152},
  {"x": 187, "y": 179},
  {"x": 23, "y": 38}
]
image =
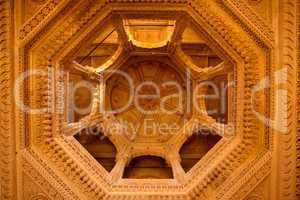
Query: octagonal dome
[
  {"x": 145, "y": 93},
  {"x": 53, "y": 137}
]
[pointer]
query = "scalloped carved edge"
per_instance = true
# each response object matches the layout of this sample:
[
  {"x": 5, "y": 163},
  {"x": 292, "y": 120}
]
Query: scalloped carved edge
[
  {"x": 6, "y": 130},
  {"x": 288, "y": 60}
]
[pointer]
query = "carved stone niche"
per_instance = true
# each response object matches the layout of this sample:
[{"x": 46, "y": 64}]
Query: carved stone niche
[{"x": 49, "y": 139}]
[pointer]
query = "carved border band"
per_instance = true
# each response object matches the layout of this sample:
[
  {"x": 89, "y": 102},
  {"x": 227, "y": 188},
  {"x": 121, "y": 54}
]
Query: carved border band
[{"x": 7, "y": 156}]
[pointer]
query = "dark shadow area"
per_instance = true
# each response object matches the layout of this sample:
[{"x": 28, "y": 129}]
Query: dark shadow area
[{"x": 148, "y": 167}]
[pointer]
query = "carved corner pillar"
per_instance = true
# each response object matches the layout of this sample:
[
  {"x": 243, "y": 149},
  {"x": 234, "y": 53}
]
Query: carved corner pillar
[
  {"x": 178, "y": 172},
  {"x": 116, "y": 173}
]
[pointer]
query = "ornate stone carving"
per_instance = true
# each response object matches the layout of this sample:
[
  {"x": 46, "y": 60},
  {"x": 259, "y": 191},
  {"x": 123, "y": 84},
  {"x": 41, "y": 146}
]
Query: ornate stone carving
[
  {"x": 30, "y": 7},
  {"x": 59, "y": 168},
  {"x": 261, "y": 192},
  {"x": 52, "y": 7},
  {"x": 44, "y": 179},
  {"x": 254, "y": 21},
  {"x": 7, "y": 149},
  {"x": 288, "y": 61},
  {"x": 55, "y": 150},
  {"x": 31, "y": 190},
  {"x": 263, "y": 8}
]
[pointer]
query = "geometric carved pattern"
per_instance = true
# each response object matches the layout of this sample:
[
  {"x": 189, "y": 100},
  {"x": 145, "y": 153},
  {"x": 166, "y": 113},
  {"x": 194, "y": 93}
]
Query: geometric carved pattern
[
  {"x": 43, "y": 178},
  {"x": 57, "y": 167},
  {"x": 252, "y": 19},
  {"x": 31, "y": 190},
  {"x": 247, "y": 53},
  {"x": 40, "y": 17},
  {"x": 261, "y": 192}
]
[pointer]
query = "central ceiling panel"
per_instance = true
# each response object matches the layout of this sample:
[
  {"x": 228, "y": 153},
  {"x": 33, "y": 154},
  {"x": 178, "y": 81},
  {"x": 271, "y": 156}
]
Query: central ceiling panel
[{"x": 159, "y": 99}]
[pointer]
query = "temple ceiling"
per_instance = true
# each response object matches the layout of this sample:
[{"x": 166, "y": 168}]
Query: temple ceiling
[{"x": 149, "y": 100}]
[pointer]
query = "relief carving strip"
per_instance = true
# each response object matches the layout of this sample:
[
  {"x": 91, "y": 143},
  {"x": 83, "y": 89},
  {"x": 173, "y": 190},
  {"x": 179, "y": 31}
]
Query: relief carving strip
[
  {"x": 42, "y": 17},
  {"x": 50, "y": 147},
  {"x": 7, "y": 154},
  {"x": 250, "y": 60},
  {"x": 254, "y": 21},
  {"x": 288, "y": 60},
  {"x": 38, "y": 173},
  {"x": 298, "y": 103},
  {"x": 247, "y": 180}
]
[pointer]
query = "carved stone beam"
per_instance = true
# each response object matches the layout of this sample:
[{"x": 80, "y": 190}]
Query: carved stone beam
[
  {"x": 200, "y": 91},
  {"x": 98, "y": 99},
  {"x": 72, "y": 129},
  {"x": 90, "y": 71},
  {"x": 174, "y": 161},
  {"x": 206, "y": 122},
  {"x": 122, "y": 35},
  {"x": 188, "y": 129},
  {"x": 116, "y": 60},
  {"x": 197, "y": 123},
  {"x": 122, "y": 159},
  {"x": 184, "y": 60},
  {"x": 203, "y": 73},
  {"x": 176, "y": 38},
  {"x": 211, "y": 72},
  {"x": 115, "y": 131},
  {"x": 149, "y": 52},
  {"x": 94, "y": 118},
  {"x": 201, "y": 115}
]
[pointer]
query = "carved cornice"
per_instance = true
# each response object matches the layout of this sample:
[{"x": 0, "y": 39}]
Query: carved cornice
[
  {"x": 251, "y": 19},
  {"x": 52, "y": 187},
  {"x": 241, "y": 185},
  {"x": 41, "y": 18}
]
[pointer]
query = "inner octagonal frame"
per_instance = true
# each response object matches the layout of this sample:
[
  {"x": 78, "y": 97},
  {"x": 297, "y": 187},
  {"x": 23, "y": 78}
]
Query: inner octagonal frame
[{"x": 44, "y": 143}]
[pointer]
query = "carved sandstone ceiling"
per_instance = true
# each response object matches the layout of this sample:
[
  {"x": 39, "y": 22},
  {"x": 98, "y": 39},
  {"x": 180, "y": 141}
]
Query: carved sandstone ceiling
[
  {"x": 148, "y": 95},
  {"x": 97, "y": 40}
]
